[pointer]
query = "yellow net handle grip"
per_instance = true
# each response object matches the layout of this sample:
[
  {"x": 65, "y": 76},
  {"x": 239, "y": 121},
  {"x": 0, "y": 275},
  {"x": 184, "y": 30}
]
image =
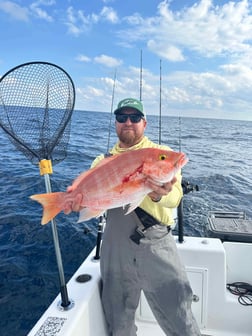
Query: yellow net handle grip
[{"x": 45, "y": 167}]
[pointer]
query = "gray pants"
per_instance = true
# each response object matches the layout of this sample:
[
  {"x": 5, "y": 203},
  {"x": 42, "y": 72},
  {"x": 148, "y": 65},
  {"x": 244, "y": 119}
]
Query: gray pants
[{"x": 152, "y": 266}]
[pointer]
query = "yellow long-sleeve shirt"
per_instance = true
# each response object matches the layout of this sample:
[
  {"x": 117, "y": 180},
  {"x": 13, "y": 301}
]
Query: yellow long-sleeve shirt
[{"x": 161, "y": 210}]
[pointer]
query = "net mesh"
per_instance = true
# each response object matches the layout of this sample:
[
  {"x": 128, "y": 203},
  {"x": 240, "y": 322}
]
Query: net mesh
[{"x": 36, "y": 105}]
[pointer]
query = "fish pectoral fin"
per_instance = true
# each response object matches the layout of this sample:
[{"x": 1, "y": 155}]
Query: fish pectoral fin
[
  {"x": 88, "y": 213},
  {"x": 132, "y": 206}
]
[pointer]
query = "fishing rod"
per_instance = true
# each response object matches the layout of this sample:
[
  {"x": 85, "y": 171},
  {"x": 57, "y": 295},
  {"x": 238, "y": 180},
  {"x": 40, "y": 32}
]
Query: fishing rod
[
  {"x": 160, "y": 103},
  {"x": 141, "y": 76},
  {"x": 187, "y": 188},
  {"x": 181, "y": 204},
  {"x": 102, "y": 219},
  {"x": 111, "y": 112},
  {"x": 180, "y": 207}
]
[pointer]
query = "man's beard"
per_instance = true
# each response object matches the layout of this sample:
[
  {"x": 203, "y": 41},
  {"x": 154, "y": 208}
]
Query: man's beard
[{"x": 129, "y": 138}]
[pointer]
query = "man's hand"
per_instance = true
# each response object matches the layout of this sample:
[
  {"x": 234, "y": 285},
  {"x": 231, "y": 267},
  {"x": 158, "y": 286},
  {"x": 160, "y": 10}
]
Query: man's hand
[
  {"x": 75, "y": 205},
  {"x": 159, "y": 190}
]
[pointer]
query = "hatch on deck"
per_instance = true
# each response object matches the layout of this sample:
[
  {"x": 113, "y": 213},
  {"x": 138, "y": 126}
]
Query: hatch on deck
[{"x": 230, "y": 226}]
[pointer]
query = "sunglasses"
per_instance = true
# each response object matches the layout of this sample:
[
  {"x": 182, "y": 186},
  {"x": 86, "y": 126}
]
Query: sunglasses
[{"x": 134, "y": 118}]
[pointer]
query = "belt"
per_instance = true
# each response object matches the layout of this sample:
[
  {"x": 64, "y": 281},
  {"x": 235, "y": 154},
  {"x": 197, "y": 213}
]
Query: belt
[{"x": 146, "y": 221}]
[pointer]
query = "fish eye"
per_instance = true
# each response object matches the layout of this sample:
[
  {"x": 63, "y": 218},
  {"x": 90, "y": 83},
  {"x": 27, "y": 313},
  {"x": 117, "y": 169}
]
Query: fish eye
[{"x": 162, "y": 157}]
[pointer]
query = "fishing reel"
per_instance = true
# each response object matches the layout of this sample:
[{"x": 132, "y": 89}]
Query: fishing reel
[{"x": 188, "y": 187}]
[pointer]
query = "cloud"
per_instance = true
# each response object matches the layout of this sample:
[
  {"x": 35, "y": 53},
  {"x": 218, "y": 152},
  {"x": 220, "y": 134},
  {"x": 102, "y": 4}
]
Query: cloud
[
  {"x": 239, "y": 77},
  {"x": 109, "y": 14},
  {"x": 204, "y": 28},
  {"x": 79, "y": 23},
  {"x": 170, "y": 52},
  {"x": 41, "y": 13},
  {"x": 83, "y": 58},
  {"x": 14, "y": 10},
  {"x": 108, "y": 61},
  {"x": 211, "y": 41},
  {"x": 76, "y": 21},
  {"x": 20, "y": 13}
]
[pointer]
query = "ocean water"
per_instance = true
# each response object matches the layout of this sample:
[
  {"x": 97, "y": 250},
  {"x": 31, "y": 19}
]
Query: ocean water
[{"x": 220, "y": 161}]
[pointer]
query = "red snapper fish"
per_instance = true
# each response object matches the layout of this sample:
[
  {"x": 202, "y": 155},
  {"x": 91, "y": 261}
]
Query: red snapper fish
[{"x": 117, "y": 181}]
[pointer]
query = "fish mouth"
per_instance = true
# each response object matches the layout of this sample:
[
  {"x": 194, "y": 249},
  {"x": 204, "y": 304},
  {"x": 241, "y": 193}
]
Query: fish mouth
[{"x": 182, "y": 160}]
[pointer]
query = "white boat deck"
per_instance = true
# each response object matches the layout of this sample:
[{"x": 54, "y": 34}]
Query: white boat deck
[{"x": 210, "y": 264}]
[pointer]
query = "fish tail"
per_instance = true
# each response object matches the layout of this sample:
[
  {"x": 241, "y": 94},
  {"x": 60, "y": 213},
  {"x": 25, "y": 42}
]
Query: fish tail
[{"x": 52, "y": 205}]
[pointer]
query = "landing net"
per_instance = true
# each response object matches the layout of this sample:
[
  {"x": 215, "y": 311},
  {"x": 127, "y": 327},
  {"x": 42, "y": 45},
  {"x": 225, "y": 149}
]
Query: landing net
[{"x": 36, "y": 104}]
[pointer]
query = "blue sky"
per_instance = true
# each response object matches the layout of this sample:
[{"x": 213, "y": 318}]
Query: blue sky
[{"x": 205, "y": 49}]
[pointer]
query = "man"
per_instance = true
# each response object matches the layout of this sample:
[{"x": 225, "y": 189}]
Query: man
[{"x": 138, "y": 251}]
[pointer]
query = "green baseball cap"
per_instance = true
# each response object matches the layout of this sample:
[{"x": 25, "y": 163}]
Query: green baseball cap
[{"x": 132, "y": 103}]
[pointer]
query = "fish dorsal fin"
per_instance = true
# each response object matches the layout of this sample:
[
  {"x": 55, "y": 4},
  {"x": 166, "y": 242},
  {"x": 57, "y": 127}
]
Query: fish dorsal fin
[
  {"x": 78, "y": 180},
  {"x": 105, "y": 160}
]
